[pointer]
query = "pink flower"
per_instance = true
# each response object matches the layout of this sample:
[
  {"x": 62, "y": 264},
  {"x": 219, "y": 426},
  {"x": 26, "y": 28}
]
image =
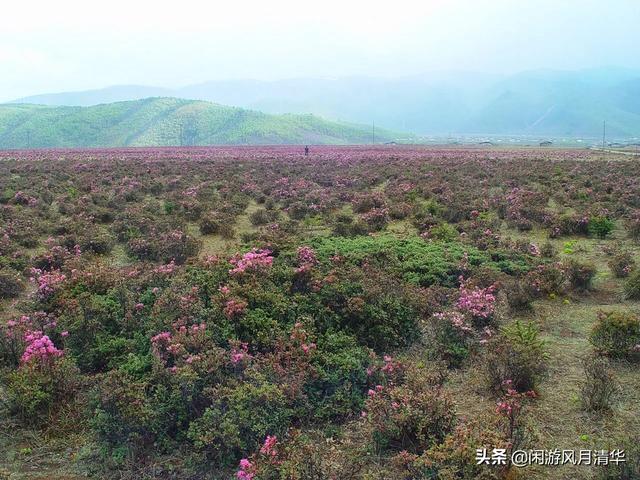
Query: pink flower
[
  {"x": 39, "y": 347},
  {"x": 479, "y": 302},
  {"x": 307, "y": 348},
  {"x": 246, "y": 470},
  {"x": 269, "y": 447},
  {"x": 252, "y": 261},
  {"x": 64, "y": 334},
  {"x": 234, "y": 308}
]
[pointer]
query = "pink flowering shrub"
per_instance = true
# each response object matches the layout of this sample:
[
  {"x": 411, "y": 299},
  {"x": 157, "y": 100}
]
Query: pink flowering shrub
[
  {"x": 184, "y": 347},
  {"x": 39, "y": 349},
  {"x": 47, "y": 282},
  {"x": 234, "y": 308},
  {"x": 44, "y": 381},
  {"x": 512, "y": 421},
  {"x": 480, "y": 303},
  {"x": 252, "y": 261},
  {"x": 622, "y": 264},
  {"x": 303, "y": 278},
  {"x": 265, "y": 368}
]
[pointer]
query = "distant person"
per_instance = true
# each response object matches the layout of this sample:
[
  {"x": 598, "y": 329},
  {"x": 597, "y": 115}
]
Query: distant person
[{"x": 306, "y": 150}]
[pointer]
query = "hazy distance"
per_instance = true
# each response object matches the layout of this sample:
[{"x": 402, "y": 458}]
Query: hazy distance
[{"x": 73, "y": 45}]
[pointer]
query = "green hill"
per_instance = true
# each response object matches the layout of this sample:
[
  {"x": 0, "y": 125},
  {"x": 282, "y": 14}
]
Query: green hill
[{"x": 167, "y": 121}]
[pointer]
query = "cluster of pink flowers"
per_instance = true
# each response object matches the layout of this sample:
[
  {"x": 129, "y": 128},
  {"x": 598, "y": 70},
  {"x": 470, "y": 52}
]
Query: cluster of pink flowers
[
  {"x": 247, "y": 470},
  {"x": 39, "y": 347},
  {"x": 47, "y": 281},
  {"x": 239, "y": 352},
  {"x": 175, "y": 347},
  {"x": 534, "y": 250},
  {"x": 372, "y": 393},
  {"x": 456, "y": 319},
  {"x": 166, "y": 269},
  {"x": 511, "y": 405},
  {"x": 306, "y": 259},
  {"x": 376, "y": 215},
  {"x": 269, "y": 446},
  {"x": 191, "y": 192},
  {"x": 388, "y": 368},
  {"x": 486, "y": 335},
  {"x": 479, "y": 302},
  {"x": 254, "y": 260},
  {"x": 234, "y": 308}
]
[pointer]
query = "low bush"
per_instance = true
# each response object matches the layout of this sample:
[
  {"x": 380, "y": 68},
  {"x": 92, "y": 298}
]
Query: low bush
[
  {"x": 599, "y": 385},
  {"x": 239, "y": 419},
  {"x": 449, "y": 337},
  {"x": 36, "y": 391},
  {"x": 413, "y": 416},
  {"x": 600, "y": 226},
  {"x": 580, "y": 275},
  {"x": 10, "y": 284},
  {"x": 621, "y": 264},
  {"x": 632, "y": 286},
  {"x": 516, "y": 357},
  {"x": 616, "y": 334},
  {"x": 624, "y": 463}
]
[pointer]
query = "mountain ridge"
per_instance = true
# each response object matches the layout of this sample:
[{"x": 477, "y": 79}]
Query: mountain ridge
[
  {"x": 167, "y": 121},
  {"x": 438, "y": 103}
]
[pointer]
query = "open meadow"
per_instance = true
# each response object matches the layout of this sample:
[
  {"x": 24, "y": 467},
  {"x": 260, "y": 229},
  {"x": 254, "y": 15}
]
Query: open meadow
[{"x": 357, "y": 313}]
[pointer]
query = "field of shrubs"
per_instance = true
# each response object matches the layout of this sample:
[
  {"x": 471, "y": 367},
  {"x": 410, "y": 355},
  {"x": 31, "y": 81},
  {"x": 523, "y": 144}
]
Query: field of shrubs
[{"x": 357, "y": 313}]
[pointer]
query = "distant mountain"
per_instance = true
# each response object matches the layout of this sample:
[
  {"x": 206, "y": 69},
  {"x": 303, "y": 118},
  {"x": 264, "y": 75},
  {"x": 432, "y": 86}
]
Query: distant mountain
[
  {"x": 544, "y": 102},
  {"x": 164, "y": 121},
  {"x": 87, "y": 98}
]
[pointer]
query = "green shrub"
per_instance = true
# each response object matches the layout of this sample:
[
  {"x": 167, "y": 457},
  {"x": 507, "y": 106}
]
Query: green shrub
[
  {"x": 34, "y": 393},
  {"x": 413, "y": 416},
  {"x": 616, "y": 334},
  {"x": 600, "y": 226},
  {"x": 209, "y": 226},
  {"x": 262, "y": 217},
  {"x": 336, "y": 388},
  {"x": 239, "y": 419},
  {"x": 99, "y": 242},
  {"x": 517, "y": 355},
  {"x": 520, "y": 295},
  {"x": 121, "y": 417},
  {"x": 449, "y": 337},
  {"x": 444, "y": 231},
  {"x": 599, "y": 386},
  {"x": 259, "y": 328},
  {"x": 629, "y": 469}
]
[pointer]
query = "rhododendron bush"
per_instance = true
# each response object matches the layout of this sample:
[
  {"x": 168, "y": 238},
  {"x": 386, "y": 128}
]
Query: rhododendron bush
[{"x": 255, "y": 313}]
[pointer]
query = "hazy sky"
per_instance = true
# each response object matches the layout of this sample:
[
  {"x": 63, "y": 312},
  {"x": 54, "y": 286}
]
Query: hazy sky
[{"x": 48, "y": 46}]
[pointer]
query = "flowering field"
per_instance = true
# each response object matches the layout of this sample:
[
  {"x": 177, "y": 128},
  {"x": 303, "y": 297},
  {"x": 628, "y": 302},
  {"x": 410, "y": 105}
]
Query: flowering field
[{"x": 360, "y": 312}]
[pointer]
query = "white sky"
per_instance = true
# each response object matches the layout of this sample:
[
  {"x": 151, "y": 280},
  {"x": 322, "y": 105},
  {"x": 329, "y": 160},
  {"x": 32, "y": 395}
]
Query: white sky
[{"x": 50, "y": 46}]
